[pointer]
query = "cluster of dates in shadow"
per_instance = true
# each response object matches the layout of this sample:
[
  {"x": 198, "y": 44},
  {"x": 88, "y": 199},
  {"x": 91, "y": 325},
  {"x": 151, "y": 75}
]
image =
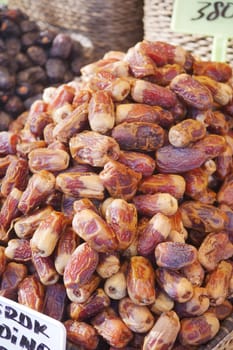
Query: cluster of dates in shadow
[{"x": 32, "y": 58}]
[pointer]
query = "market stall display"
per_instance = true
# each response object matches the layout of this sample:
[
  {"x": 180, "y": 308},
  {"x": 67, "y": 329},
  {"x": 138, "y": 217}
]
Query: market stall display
[{"x": 125, "y": 212}]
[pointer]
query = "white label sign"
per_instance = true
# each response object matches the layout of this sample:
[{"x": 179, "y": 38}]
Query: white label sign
[{"x": 22, "y": 328}]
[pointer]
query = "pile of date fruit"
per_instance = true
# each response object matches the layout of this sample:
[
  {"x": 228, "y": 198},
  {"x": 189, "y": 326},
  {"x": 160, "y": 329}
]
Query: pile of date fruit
[
  {"x": 32, "y": 58},
  {"x": 117, "y": 201}
]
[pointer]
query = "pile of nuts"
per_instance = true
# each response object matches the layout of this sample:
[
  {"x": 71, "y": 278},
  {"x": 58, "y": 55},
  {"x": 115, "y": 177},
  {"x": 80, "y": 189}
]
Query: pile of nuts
[
  {"x": 116, "y": 201},
  {"x": 30, "y": 60}
]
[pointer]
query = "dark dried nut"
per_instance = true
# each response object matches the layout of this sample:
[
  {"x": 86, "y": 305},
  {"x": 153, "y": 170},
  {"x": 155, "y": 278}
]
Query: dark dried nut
[
  {"x": 218, "y": 282},
  {"x": 23, "y": 61},
  {"x": 72, "y": 124},
  {"x": 167, "y": 183},
  {"x": 25, "y": 226},
  {"x": 101, "y": 114},
  {"x": 29, "y": 39},
  {"x": 39, "y": 187},
  {"x": 198, "y": 330},
  {"x": 214, "y": 248},
  {"x": 138, "y": 112},
  {"x": 225, "y": 191},
  {"x": 137, "y": 317},
  {"x": 219, "y": 71},
  {"x": 119, "y": 88},
  {"x": 197, "y": 182},
  {"x": 80, "y": 294},
  {"x": 14, "y": 106},
  {"x": 163, "y": 303},
  {"x": 154, "y": 232},
  {"x": 109, "y": 264},
  {"x": 89, "y": 147},
  {"x": 55, "y": 70},
  {"x": 55, "y": 301},
  {"x": 192, "y": 92},
  {"x": 92, "y": 228},
  {"x": 152, "y": 94},
  {"x": 175, "y": 255},
  {"x": 80, "y": 266},
  {"x": 140, "y": 64},
  {"x": 223, "y": 310},
  {"x": 31, "y": 293},
  {"x": 119, "y": 180},
  {"x": 164, "y": 53},
  {"x": 32, "y": 75},
  {"x": 212, "y": 145},
  {"x": 141, "y": 281},
  {"x": 27, "y": 25},
  {"x": 18, "y": 250},
  {"x": 14, "y": 273},
  {"x": 3, "y": 260},
  {"x": 139, "y": 162},
  {"x": 174, "y": 284},
  {"x": 122, "y": 217},
  {"x": 24, "y": 90},
  {"x": 221, "y": 92},
  {"x": 97, "y": 302},
  {"x": 48, "y": 159},
  {"x": 196, "y": 306},
  {"x": 8, "y": 142},
  {"x": 170, "y": 159},
  {"x": 194, "y": 272},
  {"x": 115, "y": 286},
  {"x": 150, "y": 204},
  {"x": 186, "y": 132},
  {"x": 112, "y": 328},
  {"x": 66, "y": 245},
  {"x": 61, "y": 46},
  {"x": 9, "y": 211},
  {"x": 47, "y": 234},
  {"x": 6, "y": 80},
  {"x": 37, "y": 54},
  {"x": 82, "y": 334},
  {"x": 16, "y": 176},
  {"x": 138, "y": 136},
  {"x": 78, "y": 185},
  {"x": 5, "y": 120},
  {"x": 202, "y": 217},
  {"x": 164, "y": 332}
]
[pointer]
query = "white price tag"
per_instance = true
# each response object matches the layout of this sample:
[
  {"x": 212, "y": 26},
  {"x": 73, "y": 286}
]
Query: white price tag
[{"x": 22, "y": 328}]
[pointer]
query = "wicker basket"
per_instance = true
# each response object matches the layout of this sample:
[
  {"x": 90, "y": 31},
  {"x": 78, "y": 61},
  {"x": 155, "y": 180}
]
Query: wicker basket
[
  {"x": 157, "y": 21},
  {"x": 99, "y": 25}
]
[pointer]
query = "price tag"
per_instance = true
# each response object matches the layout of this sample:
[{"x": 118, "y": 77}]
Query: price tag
[
  {"x": 213, "y": 18},
  {"x": 22, "y": 328}
]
